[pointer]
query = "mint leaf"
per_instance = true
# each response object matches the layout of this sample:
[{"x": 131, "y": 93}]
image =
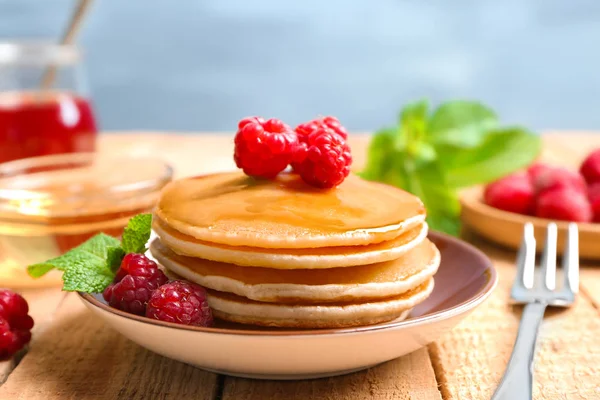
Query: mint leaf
[
  {"x": 85, "y": 267},
  {"x": 503, "y": 151},
  {"x": 114, "y": 256},
  {"x": 444, "y": 223},
  {"x": 380, "y": 154},
  {"x": 91, "y": 266},
  {"x": 94, "y": 250},
  {"x": 461, "y": 144},
  {"x": 420, "y": 173},
  {"x": 413, "y": 121},
  {"x": 414, "y": 114},
  {"x": 87, "y": 274},
  {"x": 137, "y": 233},
  {"x": 39, "y": 270},
  {"x": 443, "y": 207},
  {"x": 460, "y": 123}
]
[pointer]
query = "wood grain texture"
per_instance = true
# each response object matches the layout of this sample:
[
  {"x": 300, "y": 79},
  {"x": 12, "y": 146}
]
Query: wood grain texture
[
  {"x": 79, "y": 357},
  {"x": 569, "y": 149},
  {"x": 471, "y": 359},
  {"x": 408, "y": 378},
  {"x": 42, "y": 305}
]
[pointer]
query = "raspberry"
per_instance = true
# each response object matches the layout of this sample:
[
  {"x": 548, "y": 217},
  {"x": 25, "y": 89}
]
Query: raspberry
[
  {"x": 594, "y": 192},
  {"x": 136, "y": 265},
  {"x": 513, "y": 193},
  {"x": 131, "y": 293},
  {"x": 15, "y": 323},
  {"x": 264, "y": 148},
  {"x": 554, "y": 178},
  {"x": 325, "y": 160},
  {"x": 536, "y": 169},
  {"x": 180, "y": 302},
  {"x": 564, "y": 203},
  {"x": 596, "y": 210},
  {"x": 590, "y": 168},
  {"x": 305, "y": 129}
]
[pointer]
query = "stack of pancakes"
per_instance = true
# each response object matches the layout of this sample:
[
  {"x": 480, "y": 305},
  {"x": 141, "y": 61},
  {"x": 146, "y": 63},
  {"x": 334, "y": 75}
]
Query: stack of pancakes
[{"x": 281, "y": 253}]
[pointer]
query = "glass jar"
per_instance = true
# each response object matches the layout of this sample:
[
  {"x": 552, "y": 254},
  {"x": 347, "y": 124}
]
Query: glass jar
[
  {"x": 44, "y": 104},
  {"x": 51, "y": 204}
]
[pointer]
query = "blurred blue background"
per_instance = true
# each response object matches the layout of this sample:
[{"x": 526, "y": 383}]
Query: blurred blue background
[{"x": 202, "y": 65}]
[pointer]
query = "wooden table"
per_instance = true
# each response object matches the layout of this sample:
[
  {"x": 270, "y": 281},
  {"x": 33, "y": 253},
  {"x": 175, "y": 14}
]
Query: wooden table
[{"x": 76, "y": 356}]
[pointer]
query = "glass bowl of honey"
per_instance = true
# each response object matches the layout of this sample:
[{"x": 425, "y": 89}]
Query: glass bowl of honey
[{"x": 50, "y": 204}]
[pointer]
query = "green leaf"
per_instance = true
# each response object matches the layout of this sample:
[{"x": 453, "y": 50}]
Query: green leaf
[
  {"x": 83, "y": 275},
  {"x": 460, "y": 123},
  {"x": 503, "y": 152},
  {"x": 94, "y": 251},
  {"x": 137, "y": 233},
  {"x": 444, "y": 223},
  {"x": 114, "y": 256},
  {"x": 441, "y": 202},
  {"x": 85, "y": 268},
  {"x": 420, "y": 174},
  {"x": 415, "y": 112},
  {"x": 413, "y": 121},
  {"x": 380, "y": 154}
]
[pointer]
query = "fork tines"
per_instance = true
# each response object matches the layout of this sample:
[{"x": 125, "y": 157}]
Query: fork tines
[{"x": 525, "y": 289}]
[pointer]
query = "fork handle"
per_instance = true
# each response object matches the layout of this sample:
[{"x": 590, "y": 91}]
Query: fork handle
[{"x": 517, "y": 382}]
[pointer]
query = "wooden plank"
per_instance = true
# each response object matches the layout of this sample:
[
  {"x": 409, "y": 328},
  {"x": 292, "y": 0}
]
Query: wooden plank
[
  {"x": 42, "y": 305},
  {"x": 79, "y": 357},
  {"x": 570, "y": 150},
  {"x": 470, "y": 360},
  {"x": 590, "y": 284},
  {"x": 410, "y": 377}
]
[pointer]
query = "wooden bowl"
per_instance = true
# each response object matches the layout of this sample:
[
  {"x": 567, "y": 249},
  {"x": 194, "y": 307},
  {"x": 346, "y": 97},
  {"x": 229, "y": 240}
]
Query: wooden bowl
[{"x": 506, "y": 228}]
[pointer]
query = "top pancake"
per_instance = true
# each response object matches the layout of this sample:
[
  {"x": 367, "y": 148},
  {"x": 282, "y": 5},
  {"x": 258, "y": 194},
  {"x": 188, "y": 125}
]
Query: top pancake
[{"x": 237, "y": 210}]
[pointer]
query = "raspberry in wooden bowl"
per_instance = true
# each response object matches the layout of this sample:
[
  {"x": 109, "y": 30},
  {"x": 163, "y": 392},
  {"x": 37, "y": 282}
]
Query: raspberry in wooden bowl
[{"x": 51, "y": 204}]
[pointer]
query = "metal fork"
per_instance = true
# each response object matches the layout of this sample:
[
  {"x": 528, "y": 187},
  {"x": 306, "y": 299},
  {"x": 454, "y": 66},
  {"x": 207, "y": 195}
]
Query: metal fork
[{"x": 517, "y": 382}]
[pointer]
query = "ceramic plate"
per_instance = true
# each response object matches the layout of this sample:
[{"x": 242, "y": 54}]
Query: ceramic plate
[
  {"x": 506, "y": 228},
  {"x": 465, "y": 279}
]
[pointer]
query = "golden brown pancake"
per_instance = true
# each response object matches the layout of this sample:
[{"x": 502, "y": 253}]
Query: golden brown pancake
[
  {"x": 285, "y": 254},
  {"x": 236, "y": 210},
  {"x": 337, "y": 315},
  {"x": 313, "y": 258},
  {"x": 363, "y": 283}
]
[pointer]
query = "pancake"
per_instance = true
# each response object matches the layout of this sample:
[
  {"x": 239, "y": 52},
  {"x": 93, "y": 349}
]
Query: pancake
[
  {"x": 317, "y": 258},
  {"x": 236, "y": 210},
  {"x": 365, "y": 282},
  {"x": 238, "y": 309}
]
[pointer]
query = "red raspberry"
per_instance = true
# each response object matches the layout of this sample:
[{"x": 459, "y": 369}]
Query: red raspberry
[
  {"x": 305, "y": 129},
  {"x": 136, "y": 265},
  {"x": 264, "y": 148},
  {"x": 326, "y": 159},
  {"x": 513, "y": 193},
  {"x": 180, "y": 302},
  {"x": 132, "y": 293},
  {"x": 15, "y": 323},
  {"x": 590, "y": 168},
  {"x": 557, "y": 177},
  {"x": 564, "y": 203},
  {"x": 537, "y": 169},
  {"x": 596, "y": 210},
  {"x": 594, "y": 192}
]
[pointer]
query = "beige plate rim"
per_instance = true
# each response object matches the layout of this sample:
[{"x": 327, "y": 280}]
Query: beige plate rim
[{"x": 491, "y": 275}]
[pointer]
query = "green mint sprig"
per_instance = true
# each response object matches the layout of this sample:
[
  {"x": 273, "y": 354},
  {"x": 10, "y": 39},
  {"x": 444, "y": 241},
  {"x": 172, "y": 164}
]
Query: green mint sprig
[
  {"x": 433, "y": 155},
  {"x": 91, "y": 266}
]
